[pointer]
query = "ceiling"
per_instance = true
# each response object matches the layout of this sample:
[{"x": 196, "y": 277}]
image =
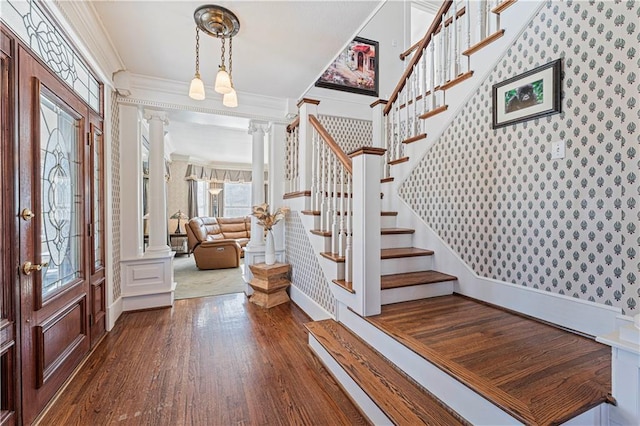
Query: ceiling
[{"x": 281, "y": 48}]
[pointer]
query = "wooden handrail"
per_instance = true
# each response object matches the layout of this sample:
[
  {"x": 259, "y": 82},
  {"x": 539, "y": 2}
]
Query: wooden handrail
[
  {"x": 344, "y": 159},
  {"x": 448, "y": 22},
  {"x": 414, "y": 60},
  {"x": 295, "y": 123}
]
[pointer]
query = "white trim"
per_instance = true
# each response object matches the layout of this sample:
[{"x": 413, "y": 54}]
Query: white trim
[
  {"x": 113, "y": 313},
  {"x": 351, "y": 388},
  {"x": 308, "y": 305},
  {"x": 415, "y": 292},
  {"x": 138, "y": 302}
]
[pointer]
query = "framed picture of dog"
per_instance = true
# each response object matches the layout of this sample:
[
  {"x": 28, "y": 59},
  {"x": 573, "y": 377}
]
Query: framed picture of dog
[
  {"x": 354, "y": 70},
  {"x": 535, "y": 93}
]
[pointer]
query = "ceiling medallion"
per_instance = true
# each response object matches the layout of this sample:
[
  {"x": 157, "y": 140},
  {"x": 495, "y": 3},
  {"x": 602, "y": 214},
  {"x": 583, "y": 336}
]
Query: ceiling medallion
[{"x": 216, "y": 21}]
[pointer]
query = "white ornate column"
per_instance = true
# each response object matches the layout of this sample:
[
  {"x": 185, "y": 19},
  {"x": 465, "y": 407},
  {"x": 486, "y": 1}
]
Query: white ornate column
[
  {"x": 257, "y": 129},
  {"x": 147, "y": 279},
  {"x": 157, "y": 193}
]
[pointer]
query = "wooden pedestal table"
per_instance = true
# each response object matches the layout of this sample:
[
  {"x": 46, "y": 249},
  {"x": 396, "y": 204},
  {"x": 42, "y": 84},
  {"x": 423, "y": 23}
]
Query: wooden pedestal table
[{"x": 269, "y": 284}]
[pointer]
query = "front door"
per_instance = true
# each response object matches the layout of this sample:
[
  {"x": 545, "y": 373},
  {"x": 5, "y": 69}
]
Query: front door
[{"x": 55, "y": 229}]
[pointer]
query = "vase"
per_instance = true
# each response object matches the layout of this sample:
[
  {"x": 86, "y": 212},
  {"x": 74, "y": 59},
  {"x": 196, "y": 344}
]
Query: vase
[{"x": 270, "y": 249}]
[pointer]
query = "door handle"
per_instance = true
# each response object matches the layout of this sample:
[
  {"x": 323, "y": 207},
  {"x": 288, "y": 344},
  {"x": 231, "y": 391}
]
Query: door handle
[
  {"x": 28, "y": 267},
  {"x": 27, "y": 214}
]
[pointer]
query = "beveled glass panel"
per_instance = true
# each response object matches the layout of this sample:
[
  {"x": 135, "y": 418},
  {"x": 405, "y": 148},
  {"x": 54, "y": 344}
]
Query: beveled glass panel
[
  {"x": 60, "y": 234},
  {"x": 98, "y": 222}
]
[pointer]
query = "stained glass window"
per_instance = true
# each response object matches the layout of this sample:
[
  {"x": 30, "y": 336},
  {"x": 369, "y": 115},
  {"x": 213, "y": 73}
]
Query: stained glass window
[
  {"x": 29, "y": 22},
  {"x": 61, "y": 242}
]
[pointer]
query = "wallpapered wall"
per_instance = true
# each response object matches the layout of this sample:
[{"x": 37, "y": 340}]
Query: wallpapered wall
[
  {"x": 306, "y": 272},
  {"x": 115, "y": 193},
  {"x": 177, "y": 191},
  {"x": 512, "y": 213},
  {"x": 349, "y": 133}
]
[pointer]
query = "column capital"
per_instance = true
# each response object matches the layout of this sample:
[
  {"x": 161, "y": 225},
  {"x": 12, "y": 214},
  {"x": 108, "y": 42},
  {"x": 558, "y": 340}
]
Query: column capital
[
  {"x": 258, "y": 125},
  {"x": 154, "y": 114}
]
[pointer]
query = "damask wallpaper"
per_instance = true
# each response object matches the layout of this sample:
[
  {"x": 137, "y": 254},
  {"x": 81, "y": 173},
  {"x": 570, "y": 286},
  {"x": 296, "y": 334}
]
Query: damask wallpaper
[
  {"x": 306, "y": 272},
  {"x": 510, "y": 211},
  {"x": 115, "y": 194},
  {"x": 349, "y": 133}
]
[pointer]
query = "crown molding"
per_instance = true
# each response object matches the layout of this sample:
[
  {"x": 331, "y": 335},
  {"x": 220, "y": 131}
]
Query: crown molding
[{"x": 89, "y": 35}]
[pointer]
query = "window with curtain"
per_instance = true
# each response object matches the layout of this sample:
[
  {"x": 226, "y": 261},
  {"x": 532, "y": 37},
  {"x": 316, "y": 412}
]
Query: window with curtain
[
  {"x": 237, "y": 199},
  {"x": 202, "y": 194}
]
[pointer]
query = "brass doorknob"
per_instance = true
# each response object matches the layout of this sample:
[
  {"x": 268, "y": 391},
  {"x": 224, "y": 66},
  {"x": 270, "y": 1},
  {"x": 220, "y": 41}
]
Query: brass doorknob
[
  {"x": 27, "y": 214},
  {"x": 29, "y": 267}
]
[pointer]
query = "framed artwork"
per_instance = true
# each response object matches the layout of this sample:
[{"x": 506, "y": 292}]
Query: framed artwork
[
  {"x": 354, "y": 70},
  {"x": 535, "y": 93}
]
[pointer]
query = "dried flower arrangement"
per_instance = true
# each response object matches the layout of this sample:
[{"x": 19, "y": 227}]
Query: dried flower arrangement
[{"x": 266, "y": 219}]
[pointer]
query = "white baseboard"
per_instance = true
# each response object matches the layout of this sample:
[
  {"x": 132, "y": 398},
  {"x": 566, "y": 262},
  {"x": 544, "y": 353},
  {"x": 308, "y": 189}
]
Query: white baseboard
[
  {"x": 308, "y": 305},
  {"x": 147, "y": 301},
  {"x": 113, "y": 313}
]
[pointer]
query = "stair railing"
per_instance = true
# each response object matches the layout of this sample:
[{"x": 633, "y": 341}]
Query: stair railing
[
  {"x": 331, "y": 192},
  {"x": 437, "y": 62}
]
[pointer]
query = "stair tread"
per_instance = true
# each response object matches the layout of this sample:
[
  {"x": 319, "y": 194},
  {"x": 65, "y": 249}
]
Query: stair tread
[
  {"x": 398, "y": 396},
  {"x": 391, "y": 231},
  {"x": 347, "y": 285},
  {"x": 414, "y": 278},
  {"x": 333, "y": 256},
  {"x": 392, "y": 253}
]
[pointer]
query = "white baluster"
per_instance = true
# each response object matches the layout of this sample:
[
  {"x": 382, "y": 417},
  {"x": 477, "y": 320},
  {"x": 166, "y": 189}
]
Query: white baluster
[
  {"x": 467, "y": 20},
  {"x": 425, "y": 85},
  {"x": 334, "y": 225},
  {"x": 343, "y": 214},
  {"x": 323, "y": 185},
  {"x": 454, "y": 40},
  {"x": 432, "y": 76},
  {"x": 315, "y": 163},
  {"x": 348, "y": 263},
  {"x": 329, "y": 195},
  {"x": 481, "y": 20}
]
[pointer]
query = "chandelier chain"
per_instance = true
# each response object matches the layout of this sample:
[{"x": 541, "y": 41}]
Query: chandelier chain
[
  {"x": 222, "y": 54},
  {"x": 230, "y": 59},
  {"x": 197, "y": 51}
]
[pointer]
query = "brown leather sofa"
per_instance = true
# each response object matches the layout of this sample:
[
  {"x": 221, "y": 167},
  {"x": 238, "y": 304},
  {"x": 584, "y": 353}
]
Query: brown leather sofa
[{"x": 217, "y": 242}]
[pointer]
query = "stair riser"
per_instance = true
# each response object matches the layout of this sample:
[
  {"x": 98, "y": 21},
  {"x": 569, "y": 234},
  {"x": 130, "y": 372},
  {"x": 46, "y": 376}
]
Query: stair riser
[
  {"x": 362, "y": 400},
  {"x": 415, "y": 292},
  {"x": 310, "y": 221},
  {"x": 405, "y": 264},
  {"x": 396, "y": 240},
  {"x": 320, "y": 244},
  {"x": 388, "y": 221},
  {"x": 333, "y": 269}
]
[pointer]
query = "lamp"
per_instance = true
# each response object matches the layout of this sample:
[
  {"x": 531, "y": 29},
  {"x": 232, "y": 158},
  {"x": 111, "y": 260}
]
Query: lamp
[
  {"x": 221, "y": 23},
  {"x": 178, "y": 215}
]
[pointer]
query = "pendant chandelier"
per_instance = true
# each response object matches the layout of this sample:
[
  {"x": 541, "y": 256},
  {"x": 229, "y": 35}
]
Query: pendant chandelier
[{"x": 221, "y": 23}]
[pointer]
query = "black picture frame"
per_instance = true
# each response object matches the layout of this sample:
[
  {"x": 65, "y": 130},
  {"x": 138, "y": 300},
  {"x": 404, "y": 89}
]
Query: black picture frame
[
  {"x": 355, "y": 69},
  {"x": 533, "y": 94}
]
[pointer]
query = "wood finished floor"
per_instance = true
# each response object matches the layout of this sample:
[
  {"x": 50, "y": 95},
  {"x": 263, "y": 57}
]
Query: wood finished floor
[
  {"x": 537, "y": 373},
  {"x": 210, "y": 361}
]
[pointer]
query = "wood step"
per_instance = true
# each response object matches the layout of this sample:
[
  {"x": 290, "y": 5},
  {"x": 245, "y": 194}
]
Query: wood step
[
  {"x": 434, "y": 111},
  {"x": 459, "y": 79},
  {"x": 387, "y": 179},
  {"x": 414, "y": 278},
  {"x": 297, "y": 194},
  {"x": 333, "y": 256},
  {"x": 396, "y": 253},
  {"x": 395, "y": 231},
  {"x": 490, "y": 39},
  {"x": 383, "y": 231},
  {"x": 536, "y": 373},
  {"x": 398, "y": 161},
  {"x": 415, "y": 138},
  {"x": 345, "y": 285},
  {"x": 503, "y": 6},
  {"x": 401, "y": 399}
]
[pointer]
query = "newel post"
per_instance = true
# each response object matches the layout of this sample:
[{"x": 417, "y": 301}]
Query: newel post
[
  {"x": 378, "y": 135},
  {"x": 305, "y": 151},
  {"x": 366, "y": 243}
]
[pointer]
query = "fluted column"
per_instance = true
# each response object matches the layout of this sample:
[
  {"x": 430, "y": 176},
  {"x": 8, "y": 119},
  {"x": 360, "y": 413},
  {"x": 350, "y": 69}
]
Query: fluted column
[
  {"x": 257, "y": 129},
  {"x": 157, "y": 195}
]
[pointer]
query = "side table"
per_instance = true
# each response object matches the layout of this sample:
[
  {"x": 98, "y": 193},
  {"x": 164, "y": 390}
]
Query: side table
[{"x": 269, "y": 284}]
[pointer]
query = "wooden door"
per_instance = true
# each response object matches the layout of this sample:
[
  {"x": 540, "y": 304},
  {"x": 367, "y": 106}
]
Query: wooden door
[
  {"x": 8, "y": 340},
  {"x": 54, "y": 269}
]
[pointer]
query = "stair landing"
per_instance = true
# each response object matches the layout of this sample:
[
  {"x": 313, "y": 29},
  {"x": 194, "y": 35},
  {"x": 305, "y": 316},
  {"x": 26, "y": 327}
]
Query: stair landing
[{"x": 537, "y": 373}]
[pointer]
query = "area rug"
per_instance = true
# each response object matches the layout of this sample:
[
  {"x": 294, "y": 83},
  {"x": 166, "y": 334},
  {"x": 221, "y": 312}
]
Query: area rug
[{"x": 192, "y": 282}]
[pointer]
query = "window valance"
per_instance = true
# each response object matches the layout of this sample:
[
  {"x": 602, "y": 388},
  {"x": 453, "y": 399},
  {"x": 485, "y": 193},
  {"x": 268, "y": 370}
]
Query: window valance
[{"x": 195, "y": 172}]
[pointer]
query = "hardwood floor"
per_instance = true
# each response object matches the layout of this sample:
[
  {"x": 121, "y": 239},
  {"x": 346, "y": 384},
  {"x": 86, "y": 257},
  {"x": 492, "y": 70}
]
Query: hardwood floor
[{"x": 211, "y": 361}]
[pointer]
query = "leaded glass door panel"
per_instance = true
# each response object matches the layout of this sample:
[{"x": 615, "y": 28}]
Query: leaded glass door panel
[{"x": 54, "y": 242}]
